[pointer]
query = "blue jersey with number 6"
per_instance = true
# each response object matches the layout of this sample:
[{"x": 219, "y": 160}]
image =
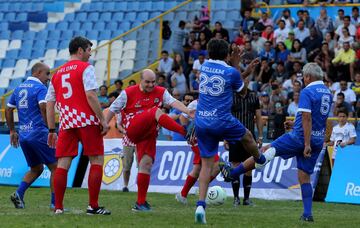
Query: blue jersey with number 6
[
  {"x": 316, "y": 99},
  {"x": 218, "y": 81},
  {"x": 26, "y": 98}
]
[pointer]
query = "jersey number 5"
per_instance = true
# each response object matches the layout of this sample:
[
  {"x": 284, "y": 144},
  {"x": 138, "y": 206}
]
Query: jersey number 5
[
  {"x": 216, "y": 88},
  {"x": 325, "y": 104},
  {"x": 67, "y": 85}
]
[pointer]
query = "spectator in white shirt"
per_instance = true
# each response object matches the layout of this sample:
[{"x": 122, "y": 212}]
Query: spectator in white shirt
[
  {"x": 343, "y": 134},
  {"x": 288, "y": 20},
  {"x": 293, "y": 106},
  {"x": 165, "y": 64},
  {"x": 351, "y": 27},
  {"x": 281, "y": 33},
  {"x": 301, "y": 32},
  {"x": 350, "y": 96}
]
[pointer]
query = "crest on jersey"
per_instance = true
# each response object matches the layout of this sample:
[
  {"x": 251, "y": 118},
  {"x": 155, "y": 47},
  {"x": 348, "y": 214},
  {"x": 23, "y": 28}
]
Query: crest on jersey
[{"x": 112, "y": 165}]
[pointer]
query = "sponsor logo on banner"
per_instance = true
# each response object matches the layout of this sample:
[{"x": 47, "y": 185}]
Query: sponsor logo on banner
[
  {"x": 344, "y": 184},
  {"x": 13, "y": 166}
]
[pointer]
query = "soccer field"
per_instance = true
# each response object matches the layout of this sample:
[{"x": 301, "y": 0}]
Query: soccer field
[{"x": 166, "y": 212}]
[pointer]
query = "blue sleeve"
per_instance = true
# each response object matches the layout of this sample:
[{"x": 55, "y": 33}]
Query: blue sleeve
[
  {"x": 236, "y": 82},
  {"x": 305, "y": 101},
  {"x": 41, "y": 95}
]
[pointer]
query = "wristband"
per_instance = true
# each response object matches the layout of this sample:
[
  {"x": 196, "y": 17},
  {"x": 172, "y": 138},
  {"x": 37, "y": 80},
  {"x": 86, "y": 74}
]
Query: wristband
[
  {"x": 261, "y": 137},
  {"x": 52, "y": 130}
]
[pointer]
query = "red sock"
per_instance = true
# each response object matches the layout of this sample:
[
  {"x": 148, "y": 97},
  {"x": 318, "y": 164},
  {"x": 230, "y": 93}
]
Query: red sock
[
  {"x": 190, "y": 181},
  {"x": 94, "y": 184},
  {"x": 60, "y": 180},
  {"x": 195, "y": 149},
  {"x": 212, "y": 178},
  {"x": 143, "y": 181},
  {"x": 170, "y": 124}
]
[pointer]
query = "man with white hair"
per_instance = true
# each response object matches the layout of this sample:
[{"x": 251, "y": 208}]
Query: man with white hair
[{"x": 306, "y": 139}]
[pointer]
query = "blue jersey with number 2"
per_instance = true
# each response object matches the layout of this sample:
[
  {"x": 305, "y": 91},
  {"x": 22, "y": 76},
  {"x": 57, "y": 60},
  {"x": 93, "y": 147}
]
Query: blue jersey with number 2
[
  {"x": 217, "y": 83},
  {"x": 315, "y": 98}
]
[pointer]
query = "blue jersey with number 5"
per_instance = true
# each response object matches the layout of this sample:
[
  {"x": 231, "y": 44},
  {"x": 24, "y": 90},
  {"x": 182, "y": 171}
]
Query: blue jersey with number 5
[
  {"x": 217, "y": 83},
  {"x": 26, "y": 99},
  {"x": 316, "y": 99}
]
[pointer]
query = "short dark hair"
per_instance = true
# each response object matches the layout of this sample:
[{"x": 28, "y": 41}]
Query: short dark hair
[
  {"x": 341, "y": 94},
  {"x": 103, "y": 86},
  {"x": 162, "y": 76},
  {"x": 113, "y": 94},
  {"x": 182, "y": 23},
  {"x": 347, "y": 17},
  {"x": 119, "y": 81},
  {"x": 218, "y": 49},
  {"x": 164, "y": 52},
  {"x": 355, "y": 8},
  {"x": 341, "y": 10},
  {"x": 343, "y": 110},
  {"x": 78, "y": 42}
]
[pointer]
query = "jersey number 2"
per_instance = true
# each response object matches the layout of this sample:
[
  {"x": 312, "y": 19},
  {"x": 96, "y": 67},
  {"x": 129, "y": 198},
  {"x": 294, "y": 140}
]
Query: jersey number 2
[
  {"x": 325, "y": 104},
  {"x": 23, "y": 102},
  {"x": 67, "y": 85}
]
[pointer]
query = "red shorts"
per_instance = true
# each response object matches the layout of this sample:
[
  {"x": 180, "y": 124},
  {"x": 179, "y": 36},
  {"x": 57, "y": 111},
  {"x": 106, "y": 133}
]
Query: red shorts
[
  {"x": 197, "y": 158},
  {"x": 89, "y": 136},
  {"x": 142, "y": 131}
]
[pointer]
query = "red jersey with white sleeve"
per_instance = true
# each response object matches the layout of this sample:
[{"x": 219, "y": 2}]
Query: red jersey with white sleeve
[
  {"x": 67, "y": 88},
  {"x": 133, "y": 101}
]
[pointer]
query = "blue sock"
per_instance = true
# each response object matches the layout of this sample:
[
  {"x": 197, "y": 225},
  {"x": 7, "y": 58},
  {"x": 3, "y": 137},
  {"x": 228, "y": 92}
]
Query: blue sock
[
  {"x": 261, "y": 159},
  {"x": 53, "y": 198},
  {"x": 236, "y": 172},
  {"x": 201, "y": 203},
  {"x": 22, "y": 188},
  {"x": 306, "y": 192}
]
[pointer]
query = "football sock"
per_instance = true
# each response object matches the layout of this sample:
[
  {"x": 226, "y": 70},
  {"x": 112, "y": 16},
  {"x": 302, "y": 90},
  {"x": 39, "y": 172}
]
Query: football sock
[
  {"x": 237, "y": 171},
  {"x": 190, "y": 181},
  {"x": 247, "y": 180},
  {"x": 306, "y": 192},
  {"x": 143, "y": 181},
  {"x": 53, "y": 198},
  {"x": 236, "y": 186},
  {"x": 195, "y": 149},
  {"x": 22, "y": 188},
  {"x": 170, "y": 124},
  {"x": 260, "y": 160},
  {"x": 94, "y": 184},
  {"x": 60, "y": 180},
  {"x": 201, "y": 203}
]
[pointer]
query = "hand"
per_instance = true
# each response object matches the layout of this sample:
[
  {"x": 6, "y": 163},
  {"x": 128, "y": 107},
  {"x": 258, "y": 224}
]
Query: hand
[
  {"x": 235, "y": 56},
  {"x": 14, "y": 139},
  {"x": 307, "y": 151},
  {"x": 191, "y": 113},
  {"x": 226, "y": 145},
  {"x": 259, "y": 142},
  {"x": 52, "y": 140},
  {"x": 253, "y": 64},
  {"x": 343, "y": 144},
  {"x": 288, "y": 124},
  {"x": 104, "y": 127}
]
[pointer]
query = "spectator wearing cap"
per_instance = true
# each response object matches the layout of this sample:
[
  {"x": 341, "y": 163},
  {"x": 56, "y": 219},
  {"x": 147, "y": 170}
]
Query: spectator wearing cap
[
  {"x": 308, "y": 21},
  {"x": 268, "y": 33},
  {"x": 265, "y": 20},
  {"x": 347, "y": 24},
  {"x": 324, "y": 23},
  {"x": 355, "y": 18},
  {"x": 266, "y": 107},
  {"x": 343, "y": 61},
  {"x": 281, "y": 33},
  {"x": 219, "y": 29},
  {"x": 286, "y": 17},
  {"x": 289, "y": 41},
  {"x": 339, "y": 19},
  {"x": 268, "y": 52},
  {"x": 280, "y": 74},
  {"x": 301, "y": 32},
  {"x": 247, "y": 22},
  {"x": 257, "y": 42},
  {"x": 312, "y": 44}
]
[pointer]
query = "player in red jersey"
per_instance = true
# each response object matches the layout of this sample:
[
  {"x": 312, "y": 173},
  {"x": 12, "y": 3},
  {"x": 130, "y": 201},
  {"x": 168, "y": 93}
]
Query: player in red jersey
[
  {"x": 195, "y": 172},
  {"x": 141, "y": 105},
  {"x": 73, "y": 89}
]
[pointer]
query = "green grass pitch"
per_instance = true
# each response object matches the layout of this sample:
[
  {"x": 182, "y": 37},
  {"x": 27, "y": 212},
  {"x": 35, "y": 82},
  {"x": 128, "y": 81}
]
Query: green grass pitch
[{"x": 166, "y": 212}]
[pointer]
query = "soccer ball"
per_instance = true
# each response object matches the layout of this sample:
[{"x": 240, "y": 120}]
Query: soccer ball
[{"x": 216, "y": 196}]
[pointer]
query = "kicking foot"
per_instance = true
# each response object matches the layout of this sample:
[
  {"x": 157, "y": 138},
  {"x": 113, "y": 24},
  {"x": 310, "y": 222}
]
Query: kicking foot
[
  {"x": 200, "y": 215},
  {"x": 97, "y": 211},
  {"x": 181, "y": 199},
  {"x": 269, "y": 155},
  {"x": 17, "y": 201},
  {"x": 225, "y": 169}
]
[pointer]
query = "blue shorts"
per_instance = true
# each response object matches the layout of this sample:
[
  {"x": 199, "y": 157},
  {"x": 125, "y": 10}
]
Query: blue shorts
[
  {"x": 208, "y": 138},
  {"x": 36, "y": 150},
  {"x": 288, "y": 146}
]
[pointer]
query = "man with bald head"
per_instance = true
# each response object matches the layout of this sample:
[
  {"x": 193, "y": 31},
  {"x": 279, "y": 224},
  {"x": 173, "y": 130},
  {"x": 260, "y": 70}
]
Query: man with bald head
[
  {"x": 29, "y": 100},
  {"x": 141, "y": 105}
]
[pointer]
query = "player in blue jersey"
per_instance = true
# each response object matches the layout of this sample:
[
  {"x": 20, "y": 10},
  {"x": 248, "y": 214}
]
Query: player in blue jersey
[
  {"x": 29, "y": 100},
  {"x": 306, "y": 139},
  {"x": 214, "y": 121}
]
